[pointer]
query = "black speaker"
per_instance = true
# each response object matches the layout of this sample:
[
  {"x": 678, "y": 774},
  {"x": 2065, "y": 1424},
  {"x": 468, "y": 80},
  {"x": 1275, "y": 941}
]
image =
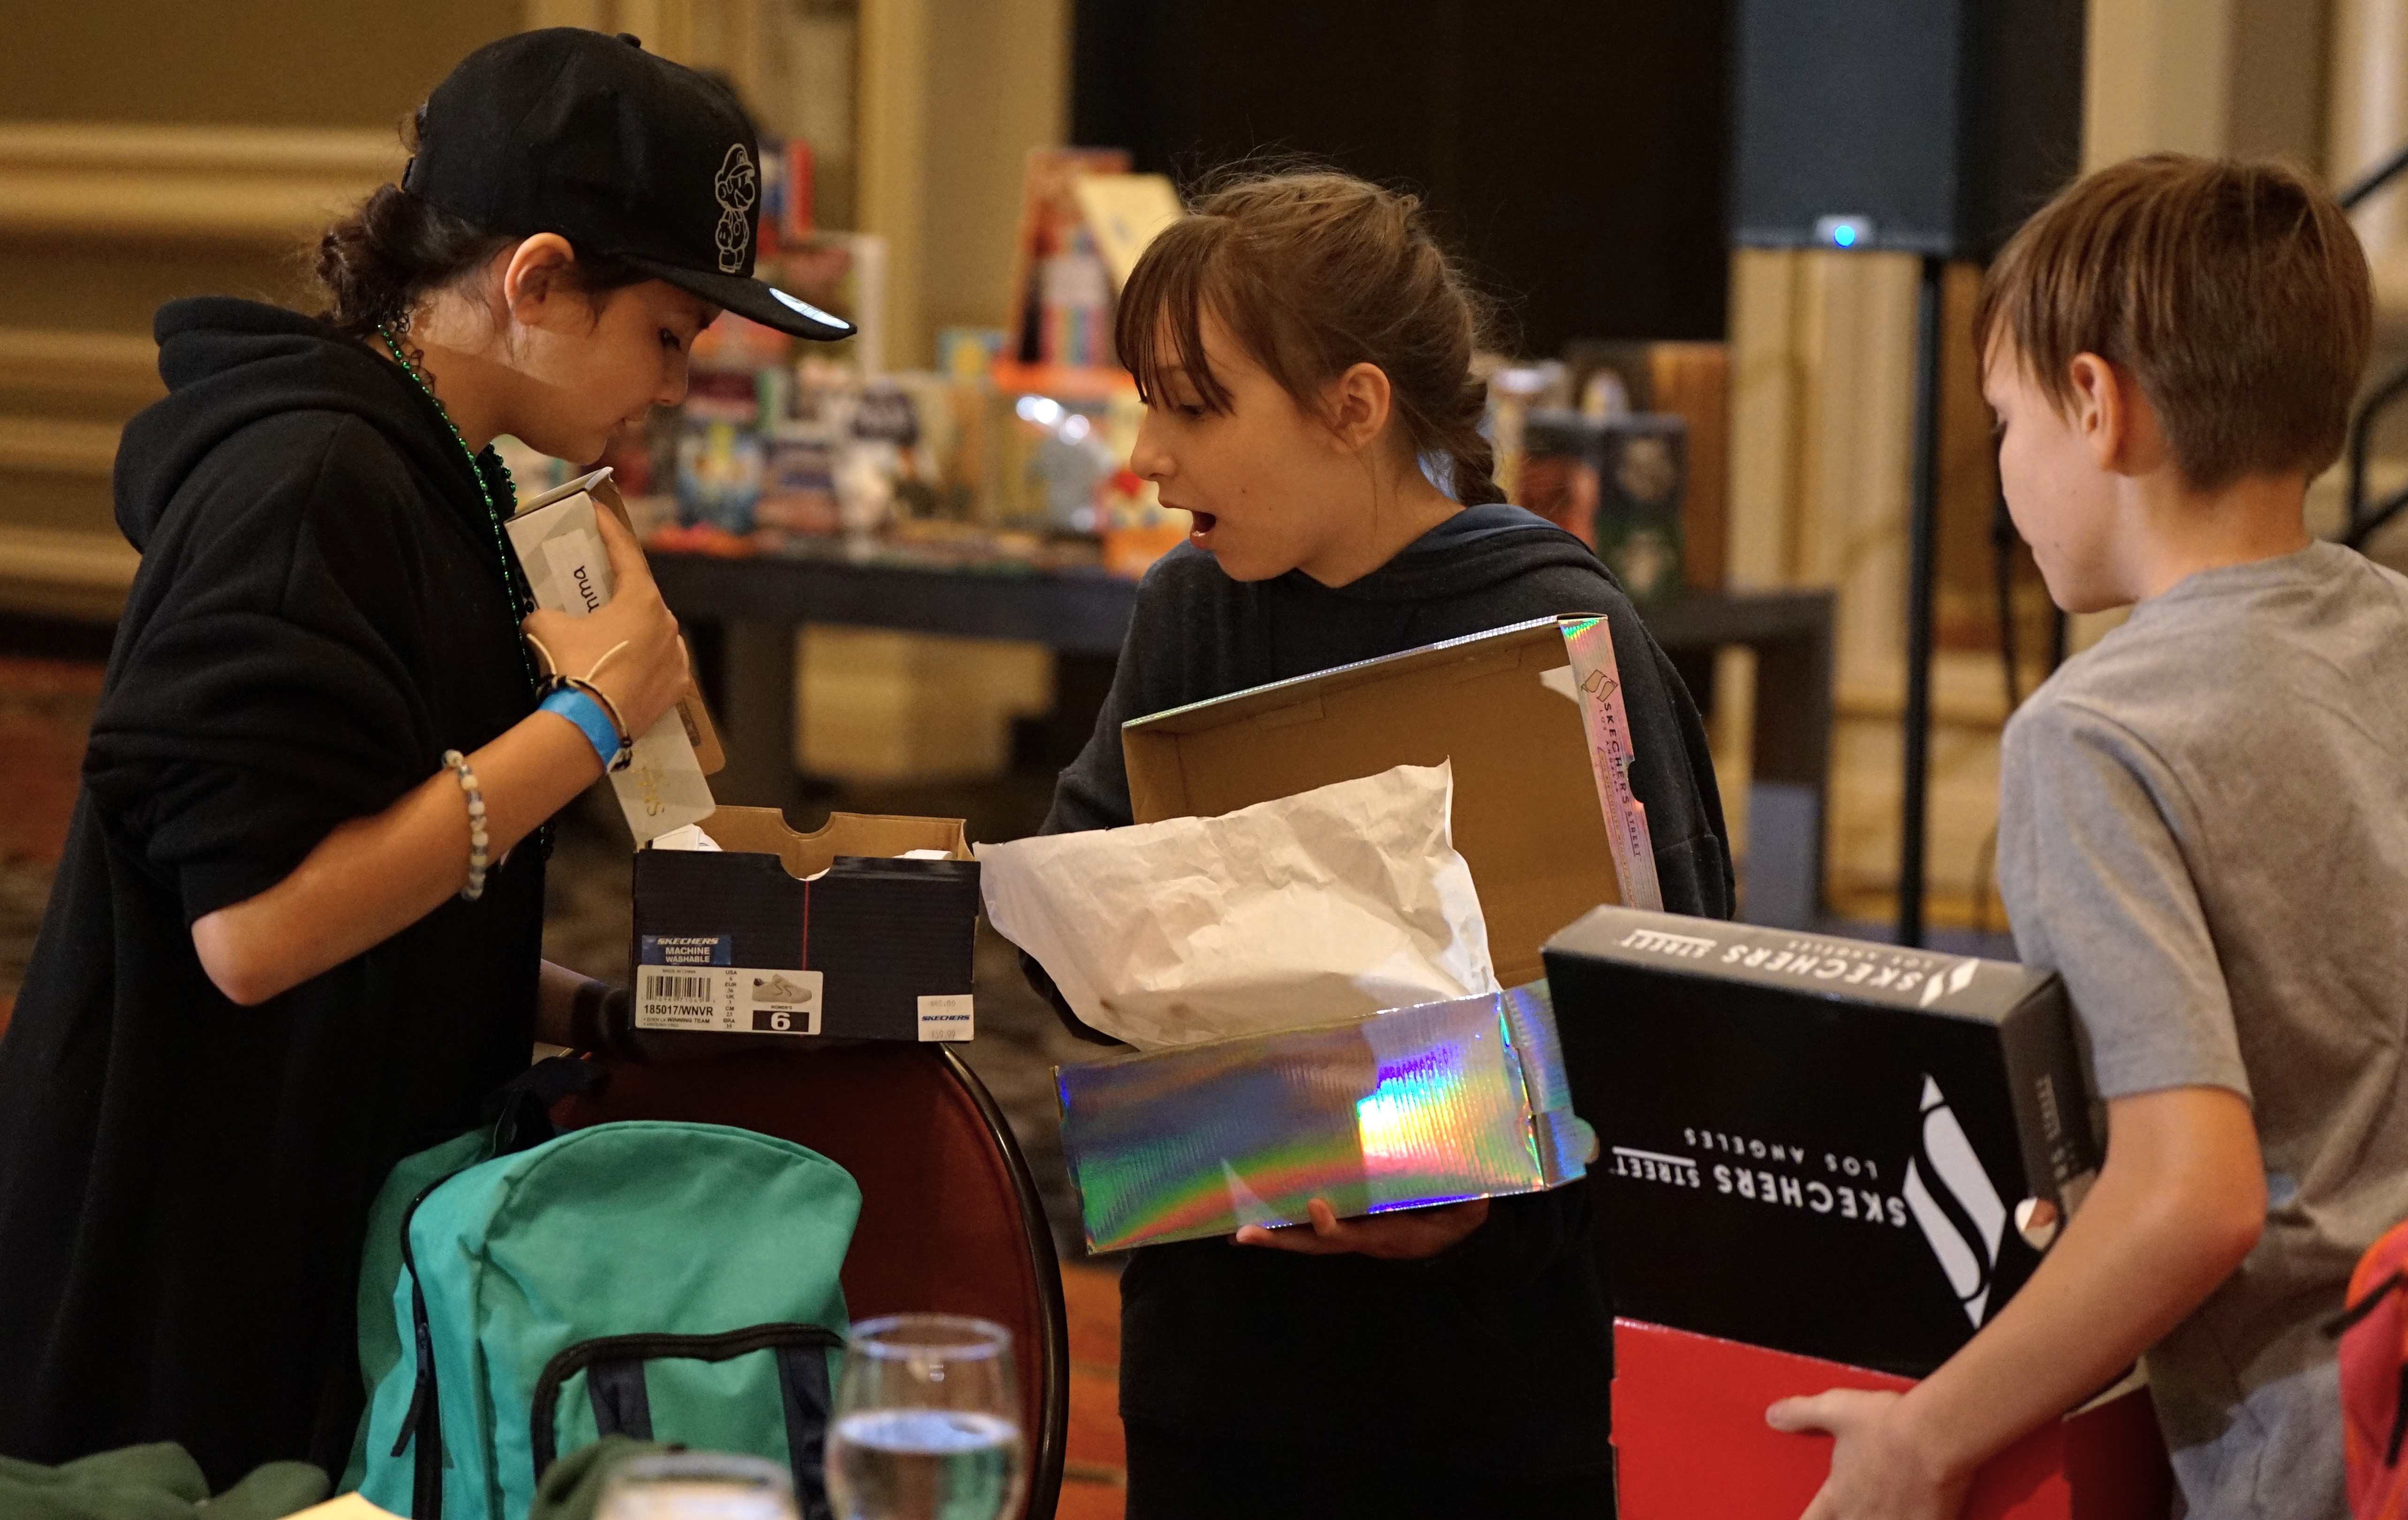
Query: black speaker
[{"x": 1926, "y": 126}]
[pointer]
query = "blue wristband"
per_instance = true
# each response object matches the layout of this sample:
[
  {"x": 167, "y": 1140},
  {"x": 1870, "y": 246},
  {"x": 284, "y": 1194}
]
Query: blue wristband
[{"x": 591, "y": 721}]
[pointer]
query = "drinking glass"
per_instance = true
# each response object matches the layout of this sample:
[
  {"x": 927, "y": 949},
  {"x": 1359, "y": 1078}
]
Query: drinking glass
[
  {"x": 696, "y": 1485},
  {"x": 927, "y": 1422}
]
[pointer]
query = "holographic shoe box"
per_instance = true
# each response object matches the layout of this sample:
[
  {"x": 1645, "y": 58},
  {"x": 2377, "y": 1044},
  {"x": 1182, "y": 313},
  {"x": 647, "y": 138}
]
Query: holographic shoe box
[
  {"x": 1818, "y": 1145},
  {"x": 1423, "y": 1105}
]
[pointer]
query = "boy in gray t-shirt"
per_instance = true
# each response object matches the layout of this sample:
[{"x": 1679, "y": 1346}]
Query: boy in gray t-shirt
[{"x": 2204, "y": 826}]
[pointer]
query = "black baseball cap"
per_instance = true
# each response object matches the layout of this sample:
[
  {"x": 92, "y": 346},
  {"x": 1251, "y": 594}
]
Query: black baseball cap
[{"x": 625, "y": 155}]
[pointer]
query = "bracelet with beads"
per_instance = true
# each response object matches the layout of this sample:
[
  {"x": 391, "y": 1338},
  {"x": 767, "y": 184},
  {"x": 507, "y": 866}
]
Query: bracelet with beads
[{"x": 478, "y": 857}]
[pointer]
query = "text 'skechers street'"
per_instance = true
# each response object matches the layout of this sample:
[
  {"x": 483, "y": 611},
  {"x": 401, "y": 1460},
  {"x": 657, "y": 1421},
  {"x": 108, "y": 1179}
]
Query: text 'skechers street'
[{"x": 1817, "y": 1144}]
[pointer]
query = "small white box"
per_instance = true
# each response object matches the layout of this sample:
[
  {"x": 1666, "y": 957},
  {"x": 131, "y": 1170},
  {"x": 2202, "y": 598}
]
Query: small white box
[{"x": 569, "y": 568}]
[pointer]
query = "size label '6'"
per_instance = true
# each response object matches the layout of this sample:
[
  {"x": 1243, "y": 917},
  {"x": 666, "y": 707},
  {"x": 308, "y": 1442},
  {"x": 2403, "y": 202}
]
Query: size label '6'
[{"x": 728, "y": 1000}]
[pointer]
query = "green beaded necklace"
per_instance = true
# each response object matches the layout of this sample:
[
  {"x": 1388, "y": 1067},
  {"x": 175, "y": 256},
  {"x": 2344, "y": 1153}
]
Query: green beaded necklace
[{"x": 521, "y": 603}]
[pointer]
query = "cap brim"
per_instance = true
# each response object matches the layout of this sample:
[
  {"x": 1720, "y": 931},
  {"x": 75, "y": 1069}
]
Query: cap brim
[{"x": 750, "y": 299}]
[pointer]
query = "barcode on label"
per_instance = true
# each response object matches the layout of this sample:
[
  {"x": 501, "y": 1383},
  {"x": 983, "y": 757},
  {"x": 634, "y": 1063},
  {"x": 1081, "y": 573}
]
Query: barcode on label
[{"x": 661, "y": 987}]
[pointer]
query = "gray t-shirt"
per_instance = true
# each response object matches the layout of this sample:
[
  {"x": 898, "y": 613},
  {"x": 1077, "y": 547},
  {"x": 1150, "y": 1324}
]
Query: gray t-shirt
[{"x": 2204, "y": 826}]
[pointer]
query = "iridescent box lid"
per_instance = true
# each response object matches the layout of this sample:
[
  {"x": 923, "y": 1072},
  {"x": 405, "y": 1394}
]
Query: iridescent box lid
[{"x": 1416, "y": 1106}]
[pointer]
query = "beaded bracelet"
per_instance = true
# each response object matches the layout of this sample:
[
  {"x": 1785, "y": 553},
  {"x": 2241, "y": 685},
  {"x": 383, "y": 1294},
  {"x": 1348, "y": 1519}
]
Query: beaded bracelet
[{"x": 475, "y": 886}]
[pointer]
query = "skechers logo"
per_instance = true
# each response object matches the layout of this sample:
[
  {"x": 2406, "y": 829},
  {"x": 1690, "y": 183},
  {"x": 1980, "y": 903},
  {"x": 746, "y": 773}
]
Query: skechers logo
[
  {"x": 1955, "y": 982},
  {"x": 1954, "y": 1200}
]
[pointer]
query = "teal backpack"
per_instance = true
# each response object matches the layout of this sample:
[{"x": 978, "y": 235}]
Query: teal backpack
[{"x": 672, "y": 1281}]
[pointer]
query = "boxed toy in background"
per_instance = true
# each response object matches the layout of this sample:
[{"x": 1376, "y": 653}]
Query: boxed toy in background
[
  {"x": 864, "y": 928},
  {"x": 1615, "y": 481},
  {"x": 1062, "y": 283},
  {"x": 1817, "y": 1145}
]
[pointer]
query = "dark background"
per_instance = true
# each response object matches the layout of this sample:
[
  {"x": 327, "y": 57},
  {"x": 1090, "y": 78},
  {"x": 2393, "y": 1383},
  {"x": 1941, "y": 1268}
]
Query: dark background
[{"x": 1576, "y": 152}]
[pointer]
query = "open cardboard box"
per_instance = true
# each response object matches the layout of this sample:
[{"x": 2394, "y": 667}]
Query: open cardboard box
[
  {"x": 1519, "y": 711},
  {"x": 1533, "y": 720},
  {"x": 829, "y": 932}
]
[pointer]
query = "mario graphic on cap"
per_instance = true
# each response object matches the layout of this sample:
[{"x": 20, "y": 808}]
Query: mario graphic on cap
[{"x": 736, "y": 186}]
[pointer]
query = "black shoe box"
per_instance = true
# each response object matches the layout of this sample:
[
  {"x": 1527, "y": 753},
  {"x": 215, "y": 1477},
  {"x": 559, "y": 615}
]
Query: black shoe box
[
  {"x": 827, "y": 934},
  {"x": 1824, "y": 1146}
]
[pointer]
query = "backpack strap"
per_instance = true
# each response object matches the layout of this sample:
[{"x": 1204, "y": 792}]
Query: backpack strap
[
  {"x": 518, "y": 1115},
  {"x": 424, "y": 1422},
  {"x": 803, "y": 1381},
  {"x": 623, "y": 1405},
  {"x": 613, "y": 1366},
  {"x": 519, "y": 1112}
]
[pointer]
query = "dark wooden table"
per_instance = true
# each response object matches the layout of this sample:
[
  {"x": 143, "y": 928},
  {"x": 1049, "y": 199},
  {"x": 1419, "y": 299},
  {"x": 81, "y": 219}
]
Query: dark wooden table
[{"x": 754, "y": 604}]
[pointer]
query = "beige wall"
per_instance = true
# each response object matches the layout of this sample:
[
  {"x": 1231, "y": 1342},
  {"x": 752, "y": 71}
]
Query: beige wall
[
  {"x": 256, "y": 63},
  {"x": 150, "y": 149},
  {"x": 2207, "y": 77},
  {"x": 954, "y": 92}
]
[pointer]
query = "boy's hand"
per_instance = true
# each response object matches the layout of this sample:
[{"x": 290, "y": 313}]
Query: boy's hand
[
  {"x": 2184, "y": 1190},
  {"x": 1405, "y": 1235},
  {"x": 1879, "y": 1469}
]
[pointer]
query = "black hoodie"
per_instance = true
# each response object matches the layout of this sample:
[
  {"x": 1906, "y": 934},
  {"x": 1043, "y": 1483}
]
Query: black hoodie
[
  {"x": 1496, "y": 1355},
  {"x": 320, "y": 612}
]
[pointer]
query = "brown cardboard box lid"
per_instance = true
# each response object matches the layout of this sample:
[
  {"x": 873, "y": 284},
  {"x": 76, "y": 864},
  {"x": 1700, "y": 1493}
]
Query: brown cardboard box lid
[
  {"x": 1527, "y": 817},
  {"x": 882, "y": 836}
]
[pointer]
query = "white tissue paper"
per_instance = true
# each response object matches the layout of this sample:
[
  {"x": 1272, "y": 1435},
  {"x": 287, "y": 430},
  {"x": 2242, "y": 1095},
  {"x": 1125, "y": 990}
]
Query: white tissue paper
[{"x": 1327, "y": 905}]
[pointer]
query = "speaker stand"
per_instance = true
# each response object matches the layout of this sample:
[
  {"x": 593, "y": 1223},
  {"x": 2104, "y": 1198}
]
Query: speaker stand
[{"x": 1923, "y": 519}]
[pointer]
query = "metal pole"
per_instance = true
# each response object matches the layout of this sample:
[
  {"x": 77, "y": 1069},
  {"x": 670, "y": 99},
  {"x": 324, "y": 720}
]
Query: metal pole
[{"x": 1923, "y": 517}]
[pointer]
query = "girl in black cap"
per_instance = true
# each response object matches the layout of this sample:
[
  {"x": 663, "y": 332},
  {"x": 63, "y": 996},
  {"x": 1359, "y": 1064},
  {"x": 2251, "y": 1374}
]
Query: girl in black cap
[{"x": 297, "y": 931}]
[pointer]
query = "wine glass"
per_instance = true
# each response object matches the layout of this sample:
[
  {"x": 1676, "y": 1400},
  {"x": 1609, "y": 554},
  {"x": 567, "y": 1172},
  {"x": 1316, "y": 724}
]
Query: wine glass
[
  {"x": 927, "y": 1422},
  {"x": 696, "y": 1485}
]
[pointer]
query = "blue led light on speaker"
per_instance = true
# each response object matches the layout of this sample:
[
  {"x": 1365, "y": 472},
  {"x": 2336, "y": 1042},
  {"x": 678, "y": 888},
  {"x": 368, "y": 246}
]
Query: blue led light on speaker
[{"x": 1844, "y": 231}]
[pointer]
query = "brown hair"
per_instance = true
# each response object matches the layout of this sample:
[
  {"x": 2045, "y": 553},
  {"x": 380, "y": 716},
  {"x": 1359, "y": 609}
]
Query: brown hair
[
  {"x": 2234, "y": 291},
  {"x": 396, "y": 248},
  {"x": 1313, "y": 272}
]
